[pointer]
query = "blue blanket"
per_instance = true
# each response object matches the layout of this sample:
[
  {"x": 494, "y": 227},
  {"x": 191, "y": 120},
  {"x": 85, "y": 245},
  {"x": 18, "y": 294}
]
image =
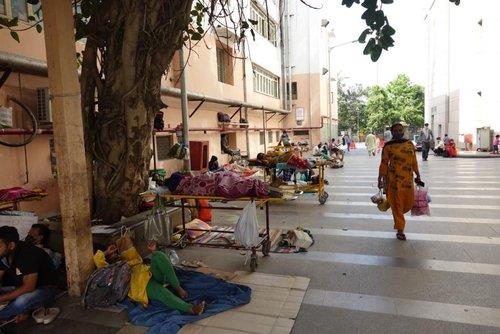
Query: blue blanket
[{"x": 219, "y": 296}]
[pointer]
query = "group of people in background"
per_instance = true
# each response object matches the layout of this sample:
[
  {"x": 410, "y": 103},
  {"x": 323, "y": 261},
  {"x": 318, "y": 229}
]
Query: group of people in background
[{"x": 331, "y": 149}]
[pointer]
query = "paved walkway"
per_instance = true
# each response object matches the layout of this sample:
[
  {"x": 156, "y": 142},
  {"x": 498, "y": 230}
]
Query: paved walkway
[{"x": 444, "y": 279}]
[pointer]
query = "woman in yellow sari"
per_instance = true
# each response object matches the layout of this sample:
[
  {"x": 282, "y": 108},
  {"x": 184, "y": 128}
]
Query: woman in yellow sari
[{"x": 398, "y": 164}]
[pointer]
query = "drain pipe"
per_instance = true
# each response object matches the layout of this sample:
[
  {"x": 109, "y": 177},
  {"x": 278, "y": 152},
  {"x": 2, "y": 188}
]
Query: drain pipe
[
  {"x": 245, "y": 97},
  {"x": 184, "y": 107}
]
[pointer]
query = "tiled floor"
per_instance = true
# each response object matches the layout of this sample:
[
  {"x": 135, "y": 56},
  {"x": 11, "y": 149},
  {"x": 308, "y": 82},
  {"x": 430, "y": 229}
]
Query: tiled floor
[{"x": 275, "y": 304}]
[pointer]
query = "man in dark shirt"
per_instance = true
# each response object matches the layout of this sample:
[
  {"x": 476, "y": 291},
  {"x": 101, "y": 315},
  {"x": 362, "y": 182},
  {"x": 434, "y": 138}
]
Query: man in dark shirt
[{"x": 27, "y": 274}]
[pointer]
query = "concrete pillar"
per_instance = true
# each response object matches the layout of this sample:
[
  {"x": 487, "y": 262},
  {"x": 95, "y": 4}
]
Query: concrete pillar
[{"x": 69, "y": 144}]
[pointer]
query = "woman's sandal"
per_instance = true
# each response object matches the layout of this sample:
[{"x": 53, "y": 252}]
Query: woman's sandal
[{"x": 401, "y": 236}]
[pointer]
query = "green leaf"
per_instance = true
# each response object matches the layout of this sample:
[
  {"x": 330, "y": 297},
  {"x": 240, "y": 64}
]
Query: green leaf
[
  {"x": 362, "y": 37},
  {"x": 376, "y": 51},
  {"x": 369, "y": 4},
  {"x": 13, "y": 22},
  {"x": 15, "y": 36},
  {"x": 196, "y": 36},
  {"x": 369, "y": 46},
  {"x": 368, "y": 15},
  {"x": 38, "y": 28},
  {"x": 349, "y": 3},
  {"x": 388, "y": 30}
]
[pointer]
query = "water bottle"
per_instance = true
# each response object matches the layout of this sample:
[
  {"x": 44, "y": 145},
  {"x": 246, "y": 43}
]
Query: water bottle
[{"x": 174, "y": 258}]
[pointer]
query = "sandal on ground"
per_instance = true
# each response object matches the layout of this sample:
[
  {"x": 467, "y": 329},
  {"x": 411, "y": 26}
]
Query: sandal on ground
[{"x": 401, "y": 236}]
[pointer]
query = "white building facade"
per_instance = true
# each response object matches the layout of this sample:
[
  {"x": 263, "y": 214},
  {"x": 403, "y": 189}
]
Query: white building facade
[
  {"x": 313, "y": 98},
  {"x": 463, "y": 69}
]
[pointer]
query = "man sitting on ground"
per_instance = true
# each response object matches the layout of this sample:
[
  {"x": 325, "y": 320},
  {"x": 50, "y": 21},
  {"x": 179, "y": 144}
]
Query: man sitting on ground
[
  {"x": 39, "y": 235},
  {"x": 27, "y": 275}
]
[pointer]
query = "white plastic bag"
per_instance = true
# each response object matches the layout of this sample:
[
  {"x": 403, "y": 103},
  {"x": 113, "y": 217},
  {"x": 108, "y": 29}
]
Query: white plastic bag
[
  {"x": 157, "y": 227},
  {"x": 247, "y": 227}
]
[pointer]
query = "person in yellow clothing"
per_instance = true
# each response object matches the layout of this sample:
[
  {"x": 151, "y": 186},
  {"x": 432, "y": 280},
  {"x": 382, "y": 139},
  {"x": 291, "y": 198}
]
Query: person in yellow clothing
[
  {"x": 151, "y": 282},
  {"x": 371, "y": 144},
  {"x": 396, "y": 170}
]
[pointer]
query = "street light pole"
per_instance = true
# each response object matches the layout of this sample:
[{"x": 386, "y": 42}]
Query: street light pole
[{"x": 330, "y": 99}]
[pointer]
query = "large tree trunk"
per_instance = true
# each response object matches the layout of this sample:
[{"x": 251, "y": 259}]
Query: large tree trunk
[{"x": 135, "y": 42}]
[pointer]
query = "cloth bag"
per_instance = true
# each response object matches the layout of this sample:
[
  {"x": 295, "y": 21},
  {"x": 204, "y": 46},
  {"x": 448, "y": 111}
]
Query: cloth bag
[
  {"x": 421, "y": 203},
  {"x": 247, "y": 227}
]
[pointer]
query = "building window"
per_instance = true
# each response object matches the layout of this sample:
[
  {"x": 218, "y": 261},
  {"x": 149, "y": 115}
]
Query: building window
[
  {"x": 301, "y": 133},
  {"x": 224, "y": 65},
  {"x": 265, "y": 82},
  {"x": 20, "y": 9},
  {"x": 163, "y": 145},
  {"x": 294, "y": 91},
  {"x": 267, "y": 28},
  {"x": 262, "y": 138},
  {"x": 221, "y": 70}
]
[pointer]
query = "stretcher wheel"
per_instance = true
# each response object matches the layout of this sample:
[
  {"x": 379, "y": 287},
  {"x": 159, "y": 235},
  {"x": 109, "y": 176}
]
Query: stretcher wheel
[
  {"x": 253, "y": 262},
  {"x": 322, "y": 198},
  {"x": 266, "y": 248},
  {"x": 183, "y": 243}
]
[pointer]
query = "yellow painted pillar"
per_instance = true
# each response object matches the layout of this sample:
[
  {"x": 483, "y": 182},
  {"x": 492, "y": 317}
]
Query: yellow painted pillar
[{"x": 69, "y": 144}]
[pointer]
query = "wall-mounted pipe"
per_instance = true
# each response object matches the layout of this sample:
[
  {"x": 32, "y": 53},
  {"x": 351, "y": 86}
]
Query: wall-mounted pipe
[
  {"x": 37, "y": 67},
  {"x": 192, "y": 96},
  {"x": 12, "y": 132}
]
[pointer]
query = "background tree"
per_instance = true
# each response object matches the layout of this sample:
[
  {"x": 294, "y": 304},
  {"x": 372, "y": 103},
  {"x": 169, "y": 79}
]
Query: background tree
[
  {"x": 400, "y": 100},
  {"x": 352, "y": 107}
]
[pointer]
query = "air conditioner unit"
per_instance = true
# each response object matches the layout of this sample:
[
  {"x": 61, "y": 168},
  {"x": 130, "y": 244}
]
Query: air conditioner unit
[{"x": 43, "y": 110}]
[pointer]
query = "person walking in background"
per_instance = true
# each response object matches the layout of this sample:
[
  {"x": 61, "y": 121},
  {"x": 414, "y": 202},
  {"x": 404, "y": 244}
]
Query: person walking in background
[
  {"x": 348, "y": 142},
  {"x": 426, "y": 137},
  {"x": 468, "y": 141},
  {"x": 496, "y": 144},
  {"x": 371, "y": 144},
  {"x": 398, "y": 164}
]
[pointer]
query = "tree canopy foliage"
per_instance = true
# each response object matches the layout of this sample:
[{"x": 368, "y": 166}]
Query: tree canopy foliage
[
  {"x": 400, "y": 100},
  {"x": 351, "y": 106}
]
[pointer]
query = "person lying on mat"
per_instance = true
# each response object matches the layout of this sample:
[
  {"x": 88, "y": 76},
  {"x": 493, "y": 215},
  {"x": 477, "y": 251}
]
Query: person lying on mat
[{"x": 153, "y": 282}]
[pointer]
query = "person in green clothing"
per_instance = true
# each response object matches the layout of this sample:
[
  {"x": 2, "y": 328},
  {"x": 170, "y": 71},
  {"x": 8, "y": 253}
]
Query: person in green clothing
[
  {"x": 157, "y": 281},
  {"x": 163, "y": 275}
]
